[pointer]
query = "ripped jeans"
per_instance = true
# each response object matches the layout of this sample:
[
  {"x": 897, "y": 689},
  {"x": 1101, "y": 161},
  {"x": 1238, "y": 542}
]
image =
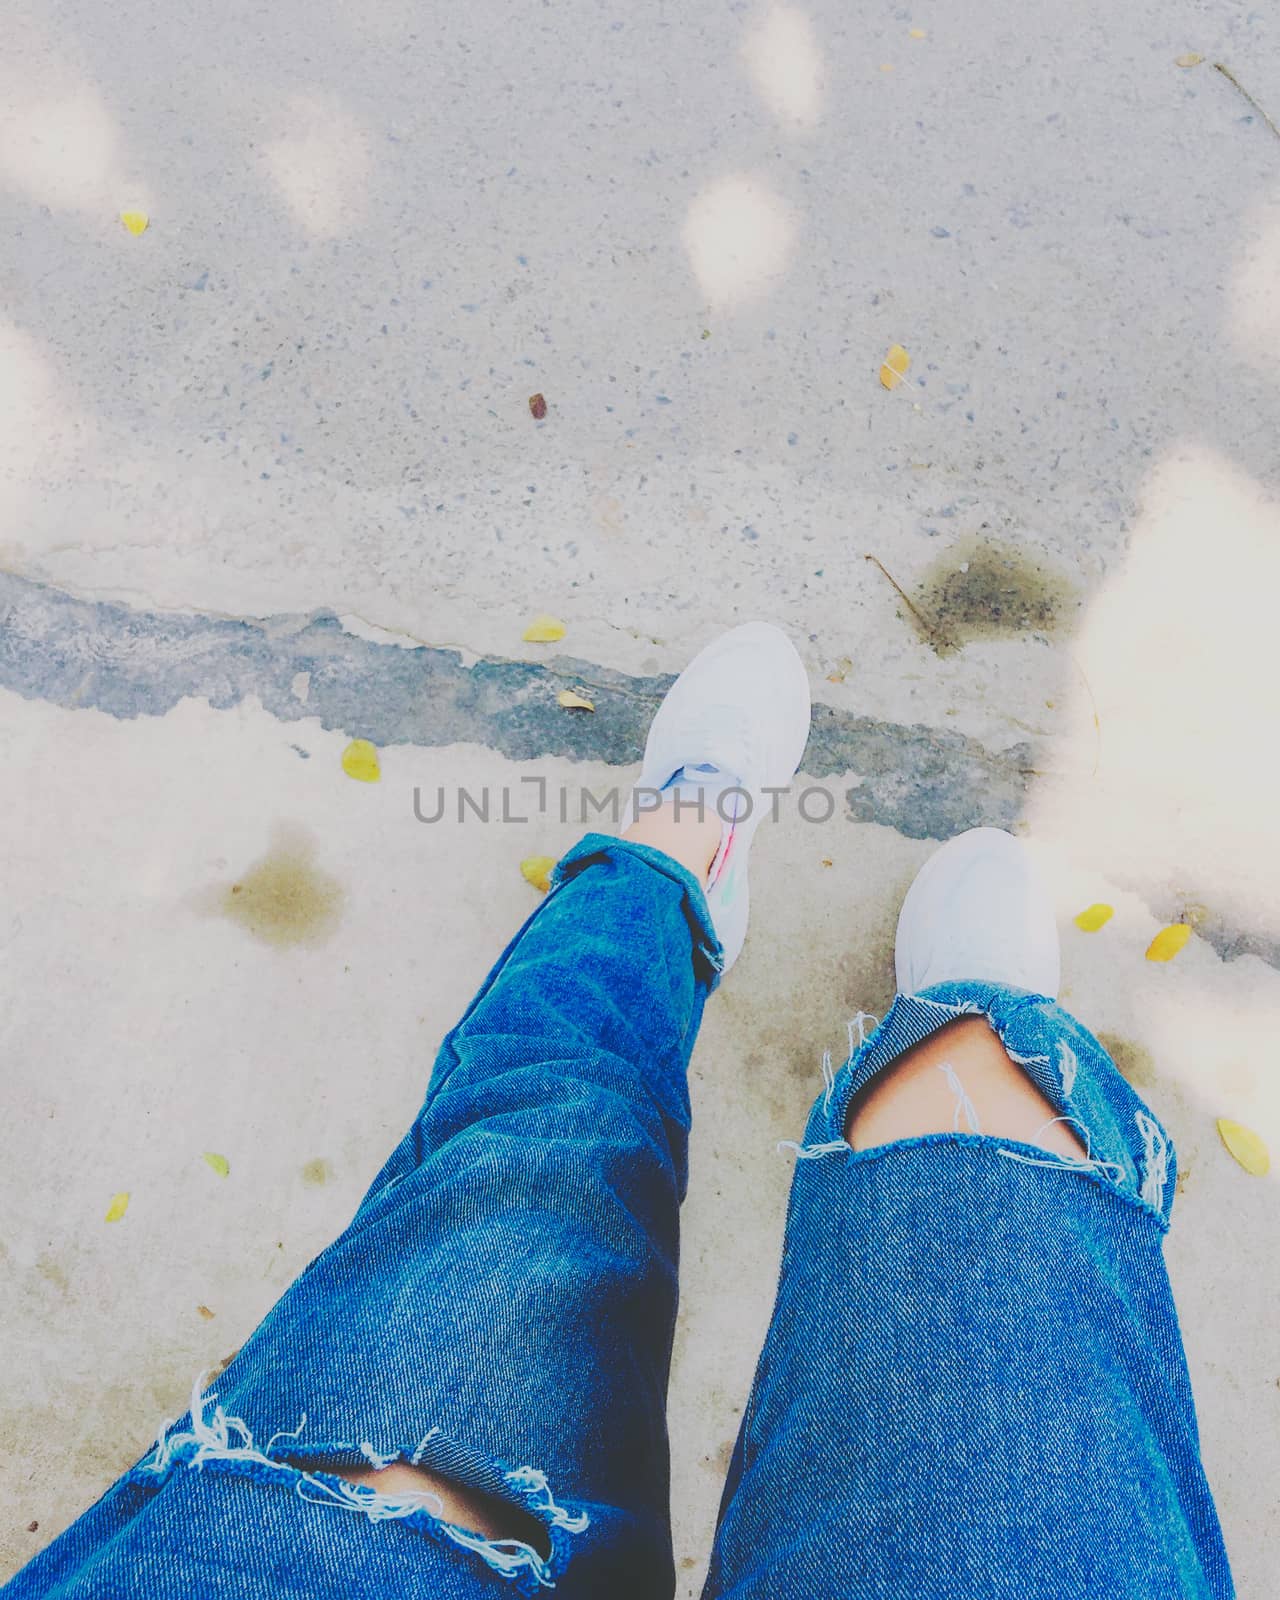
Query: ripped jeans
[{"x": 973, "y": 1384}]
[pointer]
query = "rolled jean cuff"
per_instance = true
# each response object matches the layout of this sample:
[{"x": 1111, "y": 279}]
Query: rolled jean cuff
[
  {"x": 1127, "y": 1149},
  {"x": 598, "y": 849}
]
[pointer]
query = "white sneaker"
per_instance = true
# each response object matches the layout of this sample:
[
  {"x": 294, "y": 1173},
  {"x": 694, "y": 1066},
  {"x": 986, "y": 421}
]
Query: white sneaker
[
  {"x": 977, "y": 910},
  {"x": 736, "y": 717}
]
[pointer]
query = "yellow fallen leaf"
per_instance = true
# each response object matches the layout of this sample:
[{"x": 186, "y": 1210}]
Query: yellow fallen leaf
[
  {"x": 220, "y": 1164},
  {"x": 119, "y": 1205},
  {"x": 573, "y": 701},
  {"x": 1168, "y": 942},
  {"x": 895, "y": 366},
  {"x": 1094, "y": 917},
  {"x": 1245, "y": 1145},
  {"x": 886, "y": 66},
  {"x": 537, "y": 871},
  {"x": 206, "y": 1313},
  {"x": 1192, "y": 59},
  {"x": 360, "y": 761},
  {"x": 544, "y": 630},
  {"x": 918, "y": 33},
  {"x": 136, "y": 221}
]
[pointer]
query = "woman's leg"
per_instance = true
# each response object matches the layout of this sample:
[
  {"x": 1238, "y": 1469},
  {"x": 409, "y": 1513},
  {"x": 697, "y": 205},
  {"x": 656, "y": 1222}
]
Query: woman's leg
[
  {"x": 465, "y": 1394},
  {"x": 691, "y": 839},
  {"x": 974, "y": 1383},
  {"x": 498, "y": 1313}
]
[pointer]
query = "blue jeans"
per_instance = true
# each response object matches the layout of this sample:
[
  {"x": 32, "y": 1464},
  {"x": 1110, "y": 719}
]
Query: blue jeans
[{"x": 973, "y": 1384}]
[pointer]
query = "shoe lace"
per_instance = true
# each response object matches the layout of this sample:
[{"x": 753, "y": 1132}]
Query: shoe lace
[{"x": 736, "y": 743}]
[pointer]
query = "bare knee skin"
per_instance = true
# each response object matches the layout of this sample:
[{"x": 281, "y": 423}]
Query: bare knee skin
[
  {"x": 915, "y": 1096},
  {"x": 466, "y": 1508}
]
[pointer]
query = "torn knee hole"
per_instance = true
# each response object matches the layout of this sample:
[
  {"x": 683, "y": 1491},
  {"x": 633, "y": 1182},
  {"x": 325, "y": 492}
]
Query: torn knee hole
[
  {"x": 962, "y": 1079},
  {"x": 487, "y": 1515},
  {"x": 514, "y": 1536}
]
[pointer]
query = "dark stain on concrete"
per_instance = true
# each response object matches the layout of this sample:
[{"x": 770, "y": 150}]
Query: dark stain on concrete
[
  {"x": 52, "y": 1271},
  {"x": 220, "y": 1367},
  {"x": 317, "y": 1172},
  {"x": 285, "y": 899},
  {"x": 867, "y": 979},
  {"x": 979, "y": 588},
  {"x": 1136, "y": 1063}
]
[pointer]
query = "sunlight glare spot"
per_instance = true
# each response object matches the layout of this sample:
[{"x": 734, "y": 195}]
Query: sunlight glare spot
[
  {"x": 1254, "y": 296},
  {"x": 783, "y": 58},
  {"x": 738, "y": 235},
  {"x": 60, "y": 152},
  {"x": 321, "y": 167},
  {"x": 1178, "y": 651}
]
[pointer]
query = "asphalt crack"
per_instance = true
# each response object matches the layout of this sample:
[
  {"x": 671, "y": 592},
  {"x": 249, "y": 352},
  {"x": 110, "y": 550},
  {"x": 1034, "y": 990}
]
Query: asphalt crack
[{"x": 925, "y": 783}]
